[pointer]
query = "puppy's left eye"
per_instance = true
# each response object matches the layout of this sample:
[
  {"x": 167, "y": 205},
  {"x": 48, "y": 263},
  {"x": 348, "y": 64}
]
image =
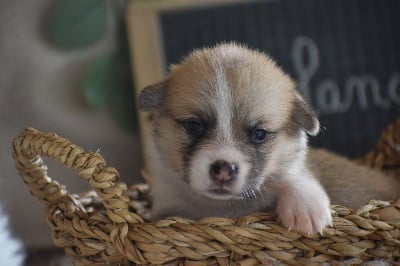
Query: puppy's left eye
[
  {"x": 258, "y": 135},
  {"x": 195, "y": 128}
]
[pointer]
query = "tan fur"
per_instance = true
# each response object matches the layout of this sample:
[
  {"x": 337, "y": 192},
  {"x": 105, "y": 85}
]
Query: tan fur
[
  {"x": 242, "y": 68},
  {"x": 348, "y": 183}
]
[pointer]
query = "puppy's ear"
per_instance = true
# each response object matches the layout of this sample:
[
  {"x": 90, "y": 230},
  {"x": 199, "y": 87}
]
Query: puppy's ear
[
  {"x": 304, "y": 116},
  {"x": 151, "y": 96},
  {"x": 173, "y": 67}
]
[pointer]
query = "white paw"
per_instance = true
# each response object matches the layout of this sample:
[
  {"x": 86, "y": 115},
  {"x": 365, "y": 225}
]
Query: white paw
[{"x": 305, "y": 211}]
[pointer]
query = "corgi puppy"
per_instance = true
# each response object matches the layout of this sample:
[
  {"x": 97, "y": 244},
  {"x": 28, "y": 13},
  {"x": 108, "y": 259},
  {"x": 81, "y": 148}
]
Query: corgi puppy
[{"x": 229, "y": 137}]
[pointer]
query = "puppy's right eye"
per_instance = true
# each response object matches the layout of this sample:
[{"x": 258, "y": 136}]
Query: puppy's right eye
[{"x": 194, "y": 128}]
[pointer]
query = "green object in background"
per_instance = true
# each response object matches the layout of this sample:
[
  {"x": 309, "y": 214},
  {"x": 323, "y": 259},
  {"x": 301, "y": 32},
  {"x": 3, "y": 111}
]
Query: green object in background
[
  {"x": 74, "y": 24},
  {"x": 77, "y": 23},
  {"x": 123, "y": 108},
  {"x": 100, "y": 80},
  {"x": 105, "y": 86}
]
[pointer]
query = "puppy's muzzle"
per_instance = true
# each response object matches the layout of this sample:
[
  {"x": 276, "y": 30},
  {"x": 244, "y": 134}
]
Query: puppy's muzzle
[{"x": 223, "y": 172}]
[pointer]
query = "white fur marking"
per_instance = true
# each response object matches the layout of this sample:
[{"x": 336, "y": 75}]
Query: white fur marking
[{"x": 223, "y": 104}]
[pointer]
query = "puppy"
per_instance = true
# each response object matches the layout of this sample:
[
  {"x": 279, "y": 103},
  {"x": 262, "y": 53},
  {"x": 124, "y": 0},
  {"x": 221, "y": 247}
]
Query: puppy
[{"x": 229, "y": 138}]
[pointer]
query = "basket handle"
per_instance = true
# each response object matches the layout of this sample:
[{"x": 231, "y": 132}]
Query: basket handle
[{"x": 30, "y": 145}]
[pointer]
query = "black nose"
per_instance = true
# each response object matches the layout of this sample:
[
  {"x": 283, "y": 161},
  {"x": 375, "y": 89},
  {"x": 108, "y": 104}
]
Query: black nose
[{"x": 223, "y": 172}]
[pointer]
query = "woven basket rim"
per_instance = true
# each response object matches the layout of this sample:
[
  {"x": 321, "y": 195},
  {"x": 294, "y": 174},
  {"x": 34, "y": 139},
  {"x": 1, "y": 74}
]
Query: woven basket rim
[{"x": 128, "y": 237}]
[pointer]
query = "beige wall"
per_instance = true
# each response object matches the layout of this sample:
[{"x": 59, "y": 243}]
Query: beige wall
[{"x": 39, "y": 87}]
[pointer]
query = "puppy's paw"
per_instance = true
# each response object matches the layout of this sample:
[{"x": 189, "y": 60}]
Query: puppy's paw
[{"x": 306, "y": 211}]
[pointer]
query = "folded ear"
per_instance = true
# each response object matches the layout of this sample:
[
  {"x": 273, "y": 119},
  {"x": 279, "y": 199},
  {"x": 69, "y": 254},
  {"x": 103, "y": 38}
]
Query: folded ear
[
  {"x": 304, "y": 116},
  {"x": 151, "y": 96}
]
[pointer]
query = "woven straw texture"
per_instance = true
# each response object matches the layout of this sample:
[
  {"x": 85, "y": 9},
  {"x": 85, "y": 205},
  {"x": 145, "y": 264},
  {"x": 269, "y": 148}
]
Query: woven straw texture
[{"x": 107, "y": 225}]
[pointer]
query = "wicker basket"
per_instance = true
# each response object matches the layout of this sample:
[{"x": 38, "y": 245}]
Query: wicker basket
[{"x": 107, "y": 225}]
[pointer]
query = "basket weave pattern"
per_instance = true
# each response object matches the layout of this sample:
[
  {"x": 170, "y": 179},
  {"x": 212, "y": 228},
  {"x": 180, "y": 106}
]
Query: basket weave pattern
[{"x": 107, "y": 225}]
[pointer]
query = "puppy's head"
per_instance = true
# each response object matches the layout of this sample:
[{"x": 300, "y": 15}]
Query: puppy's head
[{"x": 229, "y": 121}]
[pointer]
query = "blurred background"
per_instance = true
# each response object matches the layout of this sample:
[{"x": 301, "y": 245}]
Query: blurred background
[
  {"x": 72, "y": 67},
  {"x": 64, "y": 69}
]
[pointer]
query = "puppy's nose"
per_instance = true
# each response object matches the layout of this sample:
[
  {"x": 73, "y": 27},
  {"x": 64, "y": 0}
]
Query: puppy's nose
[{"x": 223, "y": 172}]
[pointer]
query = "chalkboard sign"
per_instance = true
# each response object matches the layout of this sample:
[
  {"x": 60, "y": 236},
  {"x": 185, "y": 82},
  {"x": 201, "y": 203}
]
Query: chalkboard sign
[{"x": 344, "y": 55}]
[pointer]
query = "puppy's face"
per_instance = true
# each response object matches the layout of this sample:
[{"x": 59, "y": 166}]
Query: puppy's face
[{"x": 228, "y": 121}]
